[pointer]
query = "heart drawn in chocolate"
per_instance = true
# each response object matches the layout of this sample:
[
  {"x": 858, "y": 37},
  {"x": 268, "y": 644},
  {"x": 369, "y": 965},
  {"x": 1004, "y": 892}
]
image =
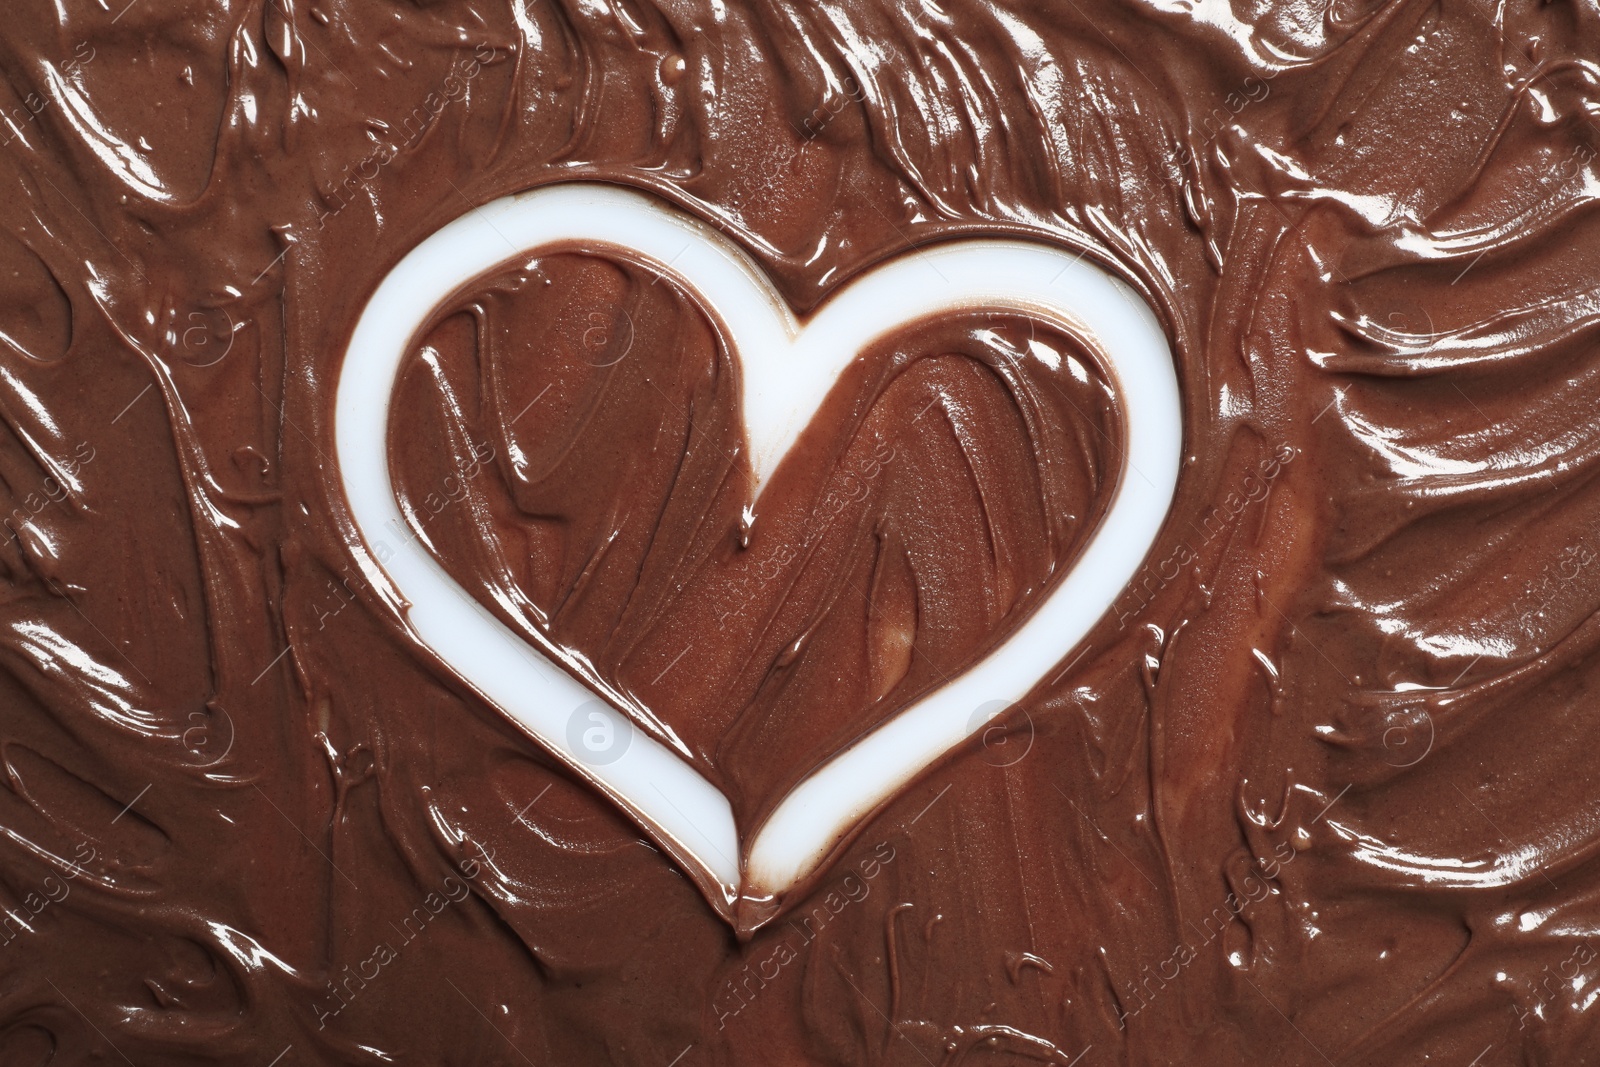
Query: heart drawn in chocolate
[{"x": 788, "y": 366}]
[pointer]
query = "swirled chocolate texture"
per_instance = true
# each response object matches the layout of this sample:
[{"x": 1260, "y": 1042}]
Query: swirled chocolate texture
[{"x": 1319, "y": 789}]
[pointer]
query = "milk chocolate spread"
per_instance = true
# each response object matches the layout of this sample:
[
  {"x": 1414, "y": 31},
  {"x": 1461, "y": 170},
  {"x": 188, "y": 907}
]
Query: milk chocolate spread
[{"x": 1319, "y": 789}]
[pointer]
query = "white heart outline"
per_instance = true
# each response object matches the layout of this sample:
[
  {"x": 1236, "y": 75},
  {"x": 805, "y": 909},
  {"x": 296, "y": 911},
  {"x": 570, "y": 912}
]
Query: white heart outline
[{"x": 787, "y": 369}]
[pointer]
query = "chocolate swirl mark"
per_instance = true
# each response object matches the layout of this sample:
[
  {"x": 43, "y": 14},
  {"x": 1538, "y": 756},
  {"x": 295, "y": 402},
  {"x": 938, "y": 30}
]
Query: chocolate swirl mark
[
  {"x": 1256, "y": 884},
  {"x": 57, "y": 486},
  {"x": 451, "y": 490},
  {"x": 1140, "y": 993},
  {"x": 1255, "y": 89},
  {"x": 801, "y": 930},
  {"x": 858, "y": 479},
  {"x": 812, "y": 126},
  {"x": 407, "y": 131},
  {"x": 840, "y": 95},
  {"x": 1152, "y": 578},
  {"x": 18, "y": 119},
  {"x": 351, "y": 981}
]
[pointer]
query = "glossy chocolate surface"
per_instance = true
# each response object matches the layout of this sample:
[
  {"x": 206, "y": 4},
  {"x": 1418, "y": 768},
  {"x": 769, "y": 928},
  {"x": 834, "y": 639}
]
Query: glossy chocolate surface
[{"x": 1320, "y": 789}]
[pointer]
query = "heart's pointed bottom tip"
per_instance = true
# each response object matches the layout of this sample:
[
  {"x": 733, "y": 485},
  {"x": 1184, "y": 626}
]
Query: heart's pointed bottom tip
[{"x": 751, "y": 913}]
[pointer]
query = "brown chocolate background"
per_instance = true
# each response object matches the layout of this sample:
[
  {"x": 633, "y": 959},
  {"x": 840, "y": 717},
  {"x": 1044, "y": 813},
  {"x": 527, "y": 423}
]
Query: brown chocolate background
[{"x": 1321, "y": 791}]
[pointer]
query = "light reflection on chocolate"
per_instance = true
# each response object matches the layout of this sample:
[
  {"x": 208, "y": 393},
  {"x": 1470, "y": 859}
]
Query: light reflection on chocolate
[{"x": 1368, "y": 228}]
